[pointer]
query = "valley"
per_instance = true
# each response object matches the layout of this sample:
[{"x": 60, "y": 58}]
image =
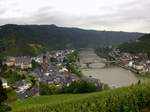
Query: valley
[
  {"x": 74, "y": 56},
  {"x": 114, "y": 76}
]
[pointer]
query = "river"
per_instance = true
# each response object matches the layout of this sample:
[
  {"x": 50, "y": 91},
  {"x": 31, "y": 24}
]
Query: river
[{"x": 113, "y": 76}]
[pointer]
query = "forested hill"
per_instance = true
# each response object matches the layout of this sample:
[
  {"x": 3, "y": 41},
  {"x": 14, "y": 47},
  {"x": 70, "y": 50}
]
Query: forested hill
[
  {"x": 21, "y": 38},
  {"x": 142, "y": 45}
]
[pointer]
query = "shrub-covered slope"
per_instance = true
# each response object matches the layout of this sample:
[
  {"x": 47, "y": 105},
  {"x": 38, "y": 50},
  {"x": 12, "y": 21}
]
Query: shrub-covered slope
[{"x": 128, "y": 99}]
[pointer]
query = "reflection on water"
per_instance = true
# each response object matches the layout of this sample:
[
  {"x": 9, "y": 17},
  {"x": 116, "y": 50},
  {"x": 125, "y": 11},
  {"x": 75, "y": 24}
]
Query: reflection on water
[{"x": 113, "y": 76}]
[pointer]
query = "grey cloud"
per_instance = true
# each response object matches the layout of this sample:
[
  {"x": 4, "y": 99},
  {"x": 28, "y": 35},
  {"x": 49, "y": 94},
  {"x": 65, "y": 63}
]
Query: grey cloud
[
  {"x": 10, "y": 21},
  {"x": 2, "y": 11},
  {"x": 46, "y": 8},
  {"x": 46, "y": 15},
  {"x": 132, "y": 16},
  {"x": 131, "y": 13}
]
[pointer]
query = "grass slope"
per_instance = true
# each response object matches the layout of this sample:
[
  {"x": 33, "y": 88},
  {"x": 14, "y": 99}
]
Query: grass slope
[{"x": 128, "y": 99}]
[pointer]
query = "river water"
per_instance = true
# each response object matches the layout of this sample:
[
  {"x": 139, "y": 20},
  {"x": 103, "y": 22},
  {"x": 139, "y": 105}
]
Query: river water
[{"x": 113, "y": 76}]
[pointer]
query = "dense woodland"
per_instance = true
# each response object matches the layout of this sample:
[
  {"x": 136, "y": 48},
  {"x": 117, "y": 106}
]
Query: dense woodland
[
  {"x": 34, "y": 39},
  {"x": 142, "y": 45}
]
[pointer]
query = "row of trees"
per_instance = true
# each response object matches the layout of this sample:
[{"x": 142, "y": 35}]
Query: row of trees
[{"x": 80, "y": 86}]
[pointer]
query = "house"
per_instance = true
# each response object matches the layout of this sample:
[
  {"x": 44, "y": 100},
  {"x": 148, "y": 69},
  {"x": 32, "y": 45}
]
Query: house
[
  {"x": 63, "y": 70},
  {"x": 38, "y": 59},
  {"x": 47, "y": 74},
  {"x": 4, "y": 83},
  {"x": 23, "y": 62},
  {"x": 10, "y": 61},
  {"x": 138, "y": 67},
  {"x": 130, "y": 63},
  {"x": 32, "y": 91},
  {"x": 22, "y": 86}
]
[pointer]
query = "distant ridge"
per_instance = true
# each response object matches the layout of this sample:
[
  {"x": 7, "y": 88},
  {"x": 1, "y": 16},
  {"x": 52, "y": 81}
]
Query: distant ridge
[{"x": 27, "y": 39}]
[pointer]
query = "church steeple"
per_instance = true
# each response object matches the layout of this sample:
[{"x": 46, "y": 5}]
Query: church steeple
[{"x": 44, "y": 65}]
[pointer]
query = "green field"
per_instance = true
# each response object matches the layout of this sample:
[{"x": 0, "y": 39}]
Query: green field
[{"x": 128, "y": 99}]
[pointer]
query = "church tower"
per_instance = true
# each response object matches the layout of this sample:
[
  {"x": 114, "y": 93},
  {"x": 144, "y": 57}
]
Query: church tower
[{"x": 44, "y": 65}]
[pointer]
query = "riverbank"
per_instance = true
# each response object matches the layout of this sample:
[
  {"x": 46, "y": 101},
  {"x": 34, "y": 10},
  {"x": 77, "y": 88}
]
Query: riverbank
[
  {"x": 114, "y": 76},
  {"x": 127, "y": 68},
  {"x": 138, "y": 73}
]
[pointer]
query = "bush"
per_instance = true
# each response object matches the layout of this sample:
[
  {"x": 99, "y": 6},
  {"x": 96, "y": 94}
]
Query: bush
[
  {"x": 34, "y": 64},
  {"x": 53, "y": 59},
  {"x": 80, "y": 87},
  {"x": 75, "y": 87},
  {"x": 74, "y": 69},
  {"x": 12, "y": 76},
  {"x": 4, "y": 108},
  {"x": 46, "y": 89}
]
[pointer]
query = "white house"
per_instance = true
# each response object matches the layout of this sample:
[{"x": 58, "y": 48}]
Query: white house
[
  {"x": 138, "y": 67},
  {"x": 4, "y": 83},
  {"x": 63, "y": 70},
  {"x": 130, "y": 63}
]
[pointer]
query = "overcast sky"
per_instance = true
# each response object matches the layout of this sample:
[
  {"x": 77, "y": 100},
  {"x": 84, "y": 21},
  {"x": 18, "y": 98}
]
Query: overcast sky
[{"x": 124, "y": 15}]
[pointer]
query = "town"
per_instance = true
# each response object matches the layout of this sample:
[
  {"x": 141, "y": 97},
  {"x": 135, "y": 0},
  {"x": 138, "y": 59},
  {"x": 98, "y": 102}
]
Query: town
[
  {"x": 48, "y": 68},
  {"x": 51, "y": 68},
  {"x": 74, "y": 56},
  {"x": 138, "y": 63}
]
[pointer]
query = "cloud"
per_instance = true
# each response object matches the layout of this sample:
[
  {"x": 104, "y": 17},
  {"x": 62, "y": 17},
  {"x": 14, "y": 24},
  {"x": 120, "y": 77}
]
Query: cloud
[
  {"x": 2, "y": 11},
  {"x": 130, "y": 15}
]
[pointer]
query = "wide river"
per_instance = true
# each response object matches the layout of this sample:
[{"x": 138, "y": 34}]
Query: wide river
[{"x": 113, "y": 76}]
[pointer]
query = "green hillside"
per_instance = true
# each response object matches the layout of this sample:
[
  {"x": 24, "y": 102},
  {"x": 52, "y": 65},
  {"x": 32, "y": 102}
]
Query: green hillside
[
  {"x": 128, "y": 99},
  {"x": 16, "y": 46},
  {"x": 142, "y": 45},
  {"x": 26, "y": 39}
]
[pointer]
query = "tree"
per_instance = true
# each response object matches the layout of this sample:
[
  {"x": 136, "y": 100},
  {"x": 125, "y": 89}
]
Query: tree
[
  {"x": 80, "y": 86},
  {"x": 46, "y": 89},
  {"x": 1, "y": 63},
  {"x": 3, "y": 97},
  {"x": 52, "y": 59},
  {"x": 34, "y": 64},
  {"x": 4, "y": 68}
]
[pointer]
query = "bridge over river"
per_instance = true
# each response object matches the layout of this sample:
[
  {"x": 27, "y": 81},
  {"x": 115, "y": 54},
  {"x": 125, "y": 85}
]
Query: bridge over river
[
  {"x": 93, "y": 65},
  {"x": 90, "y": 60}
]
